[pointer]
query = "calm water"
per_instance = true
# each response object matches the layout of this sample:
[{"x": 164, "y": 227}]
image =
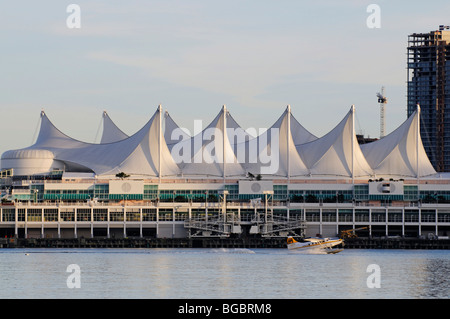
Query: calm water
[{"x": 222, "y": 274}]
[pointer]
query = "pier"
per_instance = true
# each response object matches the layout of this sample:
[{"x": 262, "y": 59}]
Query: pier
[
  {"x": 143, "y": 243},
  {"x": 353, "y": 243},
  {"x": 396, "y": 243}
]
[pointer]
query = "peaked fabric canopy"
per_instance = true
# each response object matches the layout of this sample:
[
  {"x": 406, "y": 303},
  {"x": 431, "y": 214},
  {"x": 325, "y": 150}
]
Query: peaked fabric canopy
[
  {"x": 400, "y": 153},
  {"x": 286, "y": 149},
  {"x": 210, "y": 152},
  {"x": 336, "y": 153},
  {"x": 299, "y": 134},
  {"x": 111, "y": 133},
  {"x": 273, "y": 152},
  {"x": 172, "y": 132},
  {"x": 144, "y": 153}
]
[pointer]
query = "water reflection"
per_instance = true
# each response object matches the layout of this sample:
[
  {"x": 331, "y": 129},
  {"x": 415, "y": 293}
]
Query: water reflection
[
  {"x": 223, "y": 274},
  {"x": 437, "y": 286}
]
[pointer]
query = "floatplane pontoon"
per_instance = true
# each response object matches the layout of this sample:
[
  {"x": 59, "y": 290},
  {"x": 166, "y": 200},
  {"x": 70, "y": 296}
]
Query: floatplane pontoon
[{"x": 315, "y": 245}]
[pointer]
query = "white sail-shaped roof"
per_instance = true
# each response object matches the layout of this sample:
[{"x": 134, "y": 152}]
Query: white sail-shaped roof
[
  {"x": 291, "y": 132},
  {"x": 285, "y": 150},
  {"x": 144, "y": 153},
  {"x": 401, "y": 153},
  {"x": 336, "y": 153},
  {"x": 300, "y": 135},
  {"x": 208, "y": 153},
  {"x": 252, "y": 153},
  {"x": 151, "y": 156},
  {"x": 273, "y": 152},
  {"x": 111, "y": 133},
  {"x": 172, "y": 132}
]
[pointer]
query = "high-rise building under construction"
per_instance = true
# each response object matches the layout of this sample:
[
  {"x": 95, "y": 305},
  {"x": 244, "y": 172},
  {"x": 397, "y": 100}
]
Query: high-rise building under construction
[{"x": 429, "y": 86}]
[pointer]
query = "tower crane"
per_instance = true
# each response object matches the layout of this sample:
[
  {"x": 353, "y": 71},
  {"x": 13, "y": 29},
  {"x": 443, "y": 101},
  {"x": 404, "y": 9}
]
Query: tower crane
[{"x": 382, "y": 100}]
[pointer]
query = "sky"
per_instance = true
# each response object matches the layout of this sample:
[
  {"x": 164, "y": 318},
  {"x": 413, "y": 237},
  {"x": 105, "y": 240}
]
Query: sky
[{"x": 192, "y": 57}]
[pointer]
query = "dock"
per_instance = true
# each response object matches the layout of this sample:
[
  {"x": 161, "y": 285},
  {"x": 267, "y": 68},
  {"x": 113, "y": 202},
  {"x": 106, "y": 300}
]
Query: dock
[
  {"x": 143, "y": 243},
  {"x": 354, "y": 243},
  {"x": 396, "y": 243}
]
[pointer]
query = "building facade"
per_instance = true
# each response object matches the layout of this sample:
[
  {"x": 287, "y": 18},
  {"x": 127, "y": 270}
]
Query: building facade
[
  {"x": 64, "y": 209},
  {"x": 285, "y": 181}
]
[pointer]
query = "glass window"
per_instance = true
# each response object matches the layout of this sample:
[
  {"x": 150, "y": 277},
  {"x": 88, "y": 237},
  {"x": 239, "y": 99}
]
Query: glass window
[
  {"x": 50, "y": 215},
  {"x": 100, "y": 215},
  {"x": 20, "y": 215},
  {"x": 149, "y": 214},
  {"x": 378, "y": 217},
  {"x": 165, "y": 214},
  {"x": 83, "y": 215},
  {"x": 312, "y": 215},
  {"x": 34, "y": 215},
  {"x": 67, "y": 216},
  {"x": 9, "y": 215},
  {"x": 133, "y": 216},
  {"x": 116, "y": 216}
]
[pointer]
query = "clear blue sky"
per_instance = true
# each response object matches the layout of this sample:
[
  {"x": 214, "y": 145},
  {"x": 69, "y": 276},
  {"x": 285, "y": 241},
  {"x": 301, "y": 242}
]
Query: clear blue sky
[{"x": 255, "y": 56}]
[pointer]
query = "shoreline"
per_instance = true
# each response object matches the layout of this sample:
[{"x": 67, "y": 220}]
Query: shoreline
[{"x": 279, "y": 243}]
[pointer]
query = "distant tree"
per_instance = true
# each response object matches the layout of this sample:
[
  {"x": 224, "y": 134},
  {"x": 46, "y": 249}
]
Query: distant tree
[{"x": 122, "y": 175}]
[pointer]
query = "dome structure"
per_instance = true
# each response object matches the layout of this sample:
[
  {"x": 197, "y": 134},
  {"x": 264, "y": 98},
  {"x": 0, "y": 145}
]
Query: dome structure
[{"x": 29, "y": 161}]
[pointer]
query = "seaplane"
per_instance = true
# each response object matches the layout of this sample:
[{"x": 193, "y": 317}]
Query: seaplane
[{"x": 315, "y": 245}]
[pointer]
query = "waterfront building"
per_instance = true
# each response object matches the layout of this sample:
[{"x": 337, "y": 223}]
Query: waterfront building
[{"x": 223, "y": 181}]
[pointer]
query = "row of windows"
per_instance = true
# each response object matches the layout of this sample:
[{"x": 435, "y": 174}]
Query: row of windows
[
  {"x": 82, "y": 215},
  {"x": 364, "y": 216},
  {"x": 311, "y": 215},
  {"x": 101, "y": 215},
  {"x": 68, "y": 191},
  {"x": 281, "y": 192}
]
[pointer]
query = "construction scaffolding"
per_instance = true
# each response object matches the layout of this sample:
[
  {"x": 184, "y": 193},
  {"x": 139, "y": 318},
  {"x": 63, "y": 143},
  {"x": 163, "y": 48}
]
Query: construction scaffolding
[{"x": 428, "y": 76}]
